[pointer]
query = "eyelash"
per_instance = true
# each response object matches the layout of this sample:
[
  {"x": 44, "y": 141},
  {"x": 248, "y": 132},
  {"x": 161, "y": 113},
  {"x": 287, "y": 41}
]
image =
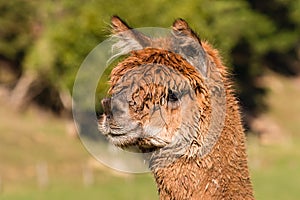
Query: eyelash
[{"x": 172, "y": 97}]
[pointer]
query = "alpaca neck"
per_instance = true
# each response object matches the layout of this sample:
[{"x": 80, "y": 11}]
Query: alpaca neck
[{"x": 222, "y": 174}]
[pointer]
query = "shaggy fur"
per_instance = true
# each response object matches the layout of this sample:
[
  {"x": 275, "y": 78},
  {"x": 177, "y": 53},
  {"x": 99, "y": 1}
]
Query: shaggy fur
[{"x": 165, "y": 96}]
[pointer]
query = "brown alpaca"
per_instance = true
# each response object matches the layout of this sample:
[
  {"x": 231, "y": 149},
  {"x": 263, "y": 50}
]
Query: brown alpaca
[{"x": 165, "y": 96}]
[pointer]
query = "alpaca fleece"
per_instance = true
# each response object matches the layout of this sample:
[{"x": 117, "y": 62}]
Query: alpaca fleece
[{"x": 161, "y": 102}]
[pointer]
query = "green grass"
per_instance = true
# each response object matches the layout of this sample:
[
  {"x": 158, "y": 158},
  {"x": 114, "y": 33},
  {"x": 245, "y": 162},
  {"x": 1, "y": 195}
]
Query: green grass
[
  {"x": 34, "y": 137},
  {"x": 105, "y": 187},
  {"x": 275, "y": 170}
]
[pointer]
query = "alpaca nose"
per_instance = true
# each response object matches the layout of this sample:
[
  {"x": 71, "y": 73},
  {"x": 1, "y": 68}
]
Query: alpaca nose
[{"x": 106, "y": 104}]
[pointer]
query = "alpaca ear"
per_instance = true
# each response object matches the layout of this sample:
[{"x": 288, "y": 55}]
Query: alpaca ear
[
  {"x": 118, "y": 25},
  {"x": 129, "y": 39},
  {"x": 187, "y": 44}
]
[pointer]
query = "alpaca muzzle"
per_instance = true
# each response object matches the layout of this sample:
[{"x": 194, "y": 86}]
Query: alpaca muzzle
[{"x": 106, "y": 104}]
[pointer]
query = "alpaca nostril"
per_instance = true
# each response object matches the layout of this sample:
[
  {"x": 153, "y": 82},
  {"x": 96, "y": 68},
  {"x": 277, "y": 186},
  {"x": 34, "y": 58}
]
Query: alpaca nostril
[{"x": 106, "y": 104}]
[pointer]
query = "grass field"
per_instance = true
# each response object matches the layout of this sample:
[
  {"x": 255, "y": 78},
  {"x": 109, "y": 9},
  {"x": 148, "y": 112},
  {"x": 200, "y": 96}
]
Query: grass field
[
  {"x": 275, "y": 168},
  {"x": 34, "y": 139}
]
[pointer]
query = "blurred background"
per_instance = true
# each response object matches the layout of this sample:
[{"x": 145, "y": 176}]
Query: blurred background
[{"x": 43, "y": 43}]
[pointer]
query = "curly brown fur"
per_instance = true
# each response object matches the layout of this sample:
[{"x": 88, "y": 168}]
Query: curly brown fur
[{"x": 162, "y": 99}]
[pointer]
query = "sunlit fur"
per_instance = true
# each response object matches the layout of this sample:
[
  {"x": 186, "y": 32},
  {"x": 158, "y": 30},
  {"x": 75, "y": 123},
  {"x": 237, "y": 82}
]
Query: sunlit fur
[{"x": 160, "y": 103}]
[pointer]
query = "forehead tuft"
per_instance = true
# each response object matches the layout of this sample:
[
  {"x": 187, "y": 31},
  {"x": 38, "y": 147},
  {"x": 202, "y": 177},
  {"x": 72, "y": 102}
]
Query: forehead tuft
[{"x": 144, "y": 57}]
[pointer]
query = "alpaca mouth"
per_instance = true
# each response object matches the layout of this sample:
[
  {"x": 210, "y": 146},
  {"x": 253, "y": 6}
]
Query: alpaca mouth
[
  {"x": 117, "y": 134},
  {"x": 132, "y": 137},
  {"x": 108, "y": 128}
]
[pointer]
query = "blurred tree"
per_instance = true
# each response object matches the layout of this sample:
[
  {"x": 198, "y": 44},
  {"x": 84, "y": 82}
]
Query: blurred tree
[
  {"x": 284, "y": 41},
  {"x": 16, "y": 34},
  {"x": 54, "y": 37}
]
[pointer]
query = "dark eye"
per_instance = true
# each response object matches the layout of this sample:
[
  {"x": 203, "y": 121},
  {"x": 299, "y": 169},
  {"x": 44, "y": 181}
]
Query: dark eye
[{"x": 172, "y": 97}]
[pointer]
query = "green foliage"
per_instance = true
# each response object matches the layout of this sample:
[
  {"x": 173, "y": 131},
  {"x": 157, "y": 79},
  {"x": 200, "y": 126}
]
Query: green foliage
[
  {"x": 56, "y": 36},
  {"x": 62, "y": 46},
  {"x": 16, "y": 21}
]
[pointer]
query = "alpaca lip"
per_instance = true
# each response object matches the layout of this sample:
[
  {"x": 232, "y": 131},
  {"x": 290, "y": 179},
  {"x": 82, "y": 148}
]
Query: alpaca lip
[
  {"x": 114, "y": 130},
  {"x": 111, "y": 131},
  {"x": 108, "y": 131},
  {"x": 107, "y": 127},
  {"x": 115, "y": 134}
]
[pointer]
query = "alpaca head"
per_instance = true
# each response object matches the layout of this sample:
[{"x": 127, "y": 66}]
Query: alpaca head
[
  {"x": 160, "y": 95},
  {"x": 169, "y": 97}
]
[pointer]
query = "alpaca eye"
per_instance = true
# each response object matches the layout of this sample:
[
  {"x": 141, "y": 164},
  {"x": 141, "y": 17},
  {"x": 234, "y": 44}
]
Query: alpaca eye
[{"x": 172, "y": 97}]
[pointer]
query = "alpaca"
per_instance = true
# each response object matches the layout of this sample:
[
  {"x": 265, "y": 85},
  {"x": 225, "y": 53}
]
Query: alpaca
[{"x": 173, "y": 98}]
